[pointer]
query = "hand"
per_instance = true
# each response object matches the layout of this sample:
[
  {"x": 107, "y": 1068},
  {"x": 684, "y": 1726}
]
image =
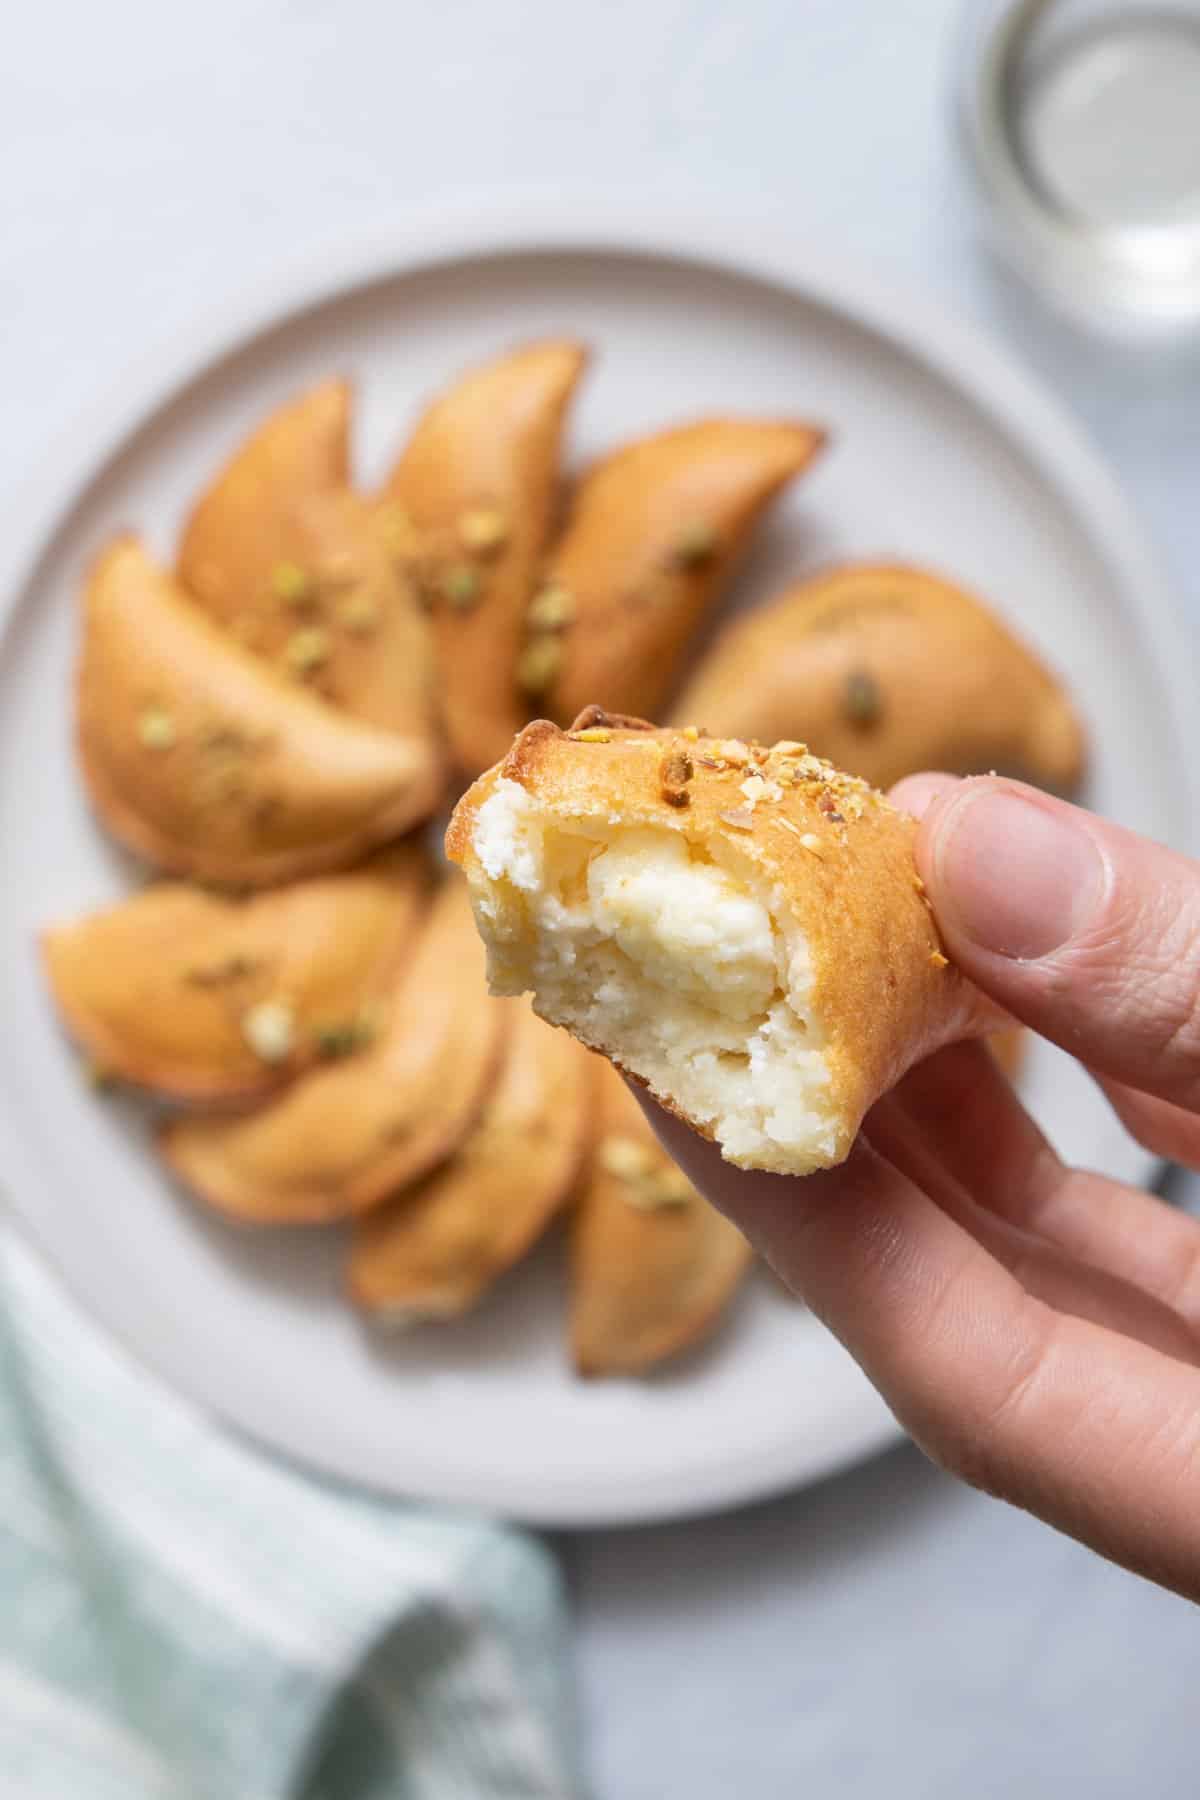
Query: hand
[{"x": 1035, "y": 1327}]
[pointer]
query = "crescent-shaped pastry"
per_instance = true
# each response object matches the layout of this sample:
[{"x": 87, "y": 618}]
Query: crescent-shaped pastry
[
  {"x": 298, "y": 568},
  {"x": 201, "y": 759},
  {"x": 652, "y": 1265},
  {"x": 197, "y": 997},
  {"x": 472, "y": 500},
  {"x": 236, "y": 535},
  {"x": 344, "y": 1138},
  {"x": 653, "y": 533},
  {"x": 742, "y": 929},
  {"x": 886, "y": 670},
  {"x": 434, "y": 1250}
]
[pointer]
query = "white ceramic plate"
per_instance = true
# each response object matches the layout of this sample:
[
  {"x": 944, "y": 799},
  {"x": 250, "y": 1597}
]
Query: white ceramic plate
[{"x": 943, "y": 452}]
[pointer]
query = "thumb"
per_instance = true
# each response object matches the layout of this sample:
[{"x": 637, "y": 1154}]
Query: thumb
[{"x": 1084, "y": 931}]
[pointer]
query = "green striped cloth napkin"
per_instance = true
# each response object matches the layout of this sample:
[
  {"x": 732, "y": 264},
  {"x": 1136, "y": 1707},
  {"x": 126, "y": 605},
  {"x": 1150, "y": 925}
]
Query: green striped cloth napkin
[{"x": 183, "y": 1618}]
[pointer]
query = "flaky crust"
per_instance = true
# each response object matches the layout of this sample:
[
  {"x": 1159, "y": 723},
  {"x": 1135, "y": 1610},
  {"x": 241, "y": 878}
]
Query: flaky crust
[
  {"x": 653, "y": 1267},
  {"x": 158, "y": 990},
  {"x": 344, "y": 1138},
  {"x": 204, "y": 761},
  {"x": 887, "y": 669},
  {"x": 839, "y": 853},
  {"x": 433, "y": 1250},
  {"x": 654, "y": 531},
  {"x": 485, "y": 453}
]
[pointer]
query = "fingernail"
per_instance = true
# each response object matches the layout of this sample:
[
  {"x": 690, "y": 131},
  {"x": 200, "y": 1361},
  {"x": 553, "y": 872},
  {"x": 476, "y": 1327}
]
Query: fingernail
[{"x": 1016, "y": 878}]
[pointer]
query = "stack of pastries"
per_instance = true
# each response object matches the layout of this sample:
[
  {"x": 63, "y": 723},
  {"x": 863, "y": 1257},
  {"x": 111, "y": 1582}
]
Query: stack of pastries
[{"x": 277, "y": 725}]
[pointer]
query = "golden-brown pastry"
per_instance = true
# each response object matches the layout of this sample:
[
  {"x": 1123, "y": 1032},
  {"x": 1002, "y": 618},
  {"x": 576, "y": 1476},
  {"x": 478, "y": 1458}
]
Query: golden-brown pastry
[
  {"x": 742, "y": 929},
  {"x": 434, "y": 1250},
  {"x": 336, "y": 613},
  {"x": 472, "y": 500},
  {"x": 653, "y": 1266},
  {"x": 344, "y": 1138},
  {"x": 886, "y": 670},
  {"x": 202, "y": 998},
  {"x": 653, "y": 533},
  {"x": 201, "y": 759},
  {"x": 238, "y": 531}
]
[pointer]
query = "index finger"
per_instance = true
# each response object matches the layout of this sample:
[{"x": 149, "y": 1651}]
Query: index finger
[{"x": 1095, "y": 1433}]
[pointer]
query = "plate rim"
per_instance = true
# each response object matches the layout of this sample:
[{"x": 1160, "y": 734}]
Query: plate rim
[{"x": 484, "y": 225}]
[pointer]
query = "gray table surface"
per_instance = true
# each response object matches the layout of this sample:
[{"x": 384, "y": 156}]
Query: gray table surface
[{"x": 885, "y": 1634}]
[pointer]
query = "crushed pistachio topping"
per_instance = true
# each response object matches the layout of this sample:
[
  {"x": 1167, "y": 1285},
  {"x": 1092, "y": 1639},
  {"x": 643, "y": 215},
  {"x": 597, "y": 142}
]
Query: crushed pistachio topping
[
  {"x": 270, "y": 1030},
  {"x": 624, "y": 1157},
  {"x": 235, "y": 967},
  {"x": 862, "y": 698},
  {"x": 156, "y": 729},
  {"x": 676, "y": 771},
  {"x": 459, "y": 583},
  {"x": 344, "y": 1038},
  {"x": 482, "y": 529},
  {"x": 696, "y": 544},
  {"x": 592, "y": 734},
  {"x": 359, "y": 613},
  {"x": 551, "y": 609},
  {"x": 538, "y": 664},
  {"x": 305, "y": 651},
  {"x": 290, "y": 584}
]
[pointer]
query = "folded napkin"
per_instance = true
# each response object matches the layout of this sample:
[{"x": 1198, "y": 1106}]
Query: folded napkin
[{"x": 184, "y": 1618}]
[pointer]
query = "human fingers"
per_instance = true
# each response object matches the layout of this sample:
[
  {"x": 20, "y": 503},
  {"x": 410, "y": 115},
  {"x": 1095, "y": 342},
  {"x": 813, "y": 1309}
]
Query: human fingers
[
  {"x": 986, "y": 1140},
  {"x": 1168, "y": 1130},
  {"x": 1095, "y": 1432},
  {"x": 1077, "y": 927},
  {"x": 1065, "y": 1281}
]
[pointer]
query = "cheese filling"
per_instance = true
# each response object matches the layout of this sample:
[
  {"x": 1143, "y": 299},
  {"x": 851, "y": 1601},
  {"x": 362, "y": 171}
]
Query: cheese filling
[{"x": 675, "y": 965}]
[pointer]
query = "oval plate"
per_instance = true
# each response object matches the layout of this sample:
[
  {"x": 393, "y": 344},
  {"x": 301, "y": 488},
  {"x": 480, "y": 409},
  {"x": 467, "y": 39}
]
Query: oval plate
[{"x": 942, "y": 452}]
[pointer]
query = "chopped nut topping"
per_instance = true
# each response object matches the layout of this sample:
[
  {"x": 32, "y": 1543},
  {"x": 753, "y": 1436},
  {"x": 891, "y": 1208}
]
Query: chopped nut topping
[
  {"x": 290, "y": 584},
  {"x": 538, "y": 664},
  {"x": 734, "y": 752},
  {"x": 233, "y": 968},
  {"x": 460, "y": 585},
  {"x": 691, "y": 733},
  {"x": 270, "y": 1030},
  {"x": 482, "y": 529},
  {"x": 741, "y": 820},
  {"x": 592, "y": 734},
  {"x": 811, "y": 842},
  {"x": 156, "y": 729},
  {"x": 676, "y": 770},
  {"x": 754, "y": 788},
  {"x": 790, "y": 747},
  {"x": 359, "y": 613},
  {"x": 305, "y": 651},
  {"x": 624, "y": 1157},
  {"x": 938, "y": 960},
  {"x": 551, "y": 609},
  {"x": 862, "y": 698},
  {"x": 696, "y": 544},
  {"x": 334, "y": 1041}
]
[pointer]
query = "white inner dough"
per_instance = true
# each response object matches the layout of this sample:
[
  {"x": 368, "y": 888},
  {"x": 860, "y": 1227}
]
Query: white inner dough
[{"x": 682, "y": 968}]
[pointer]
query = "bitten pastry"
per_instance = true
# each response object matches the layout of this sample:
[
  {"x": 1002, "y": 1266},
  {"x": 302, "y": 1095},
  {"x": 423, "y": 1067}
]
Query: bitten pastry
[
  {"x": 201, "y": 998},
  {"x": 345, "y": 1138},
  {"x": 654, "y": 531},
  {"x": 742, "y": 929},
  {"x": 435, "y": 1249},
  {"x": 204, "y": 761},
  {"x": 887, "y": 670},
  {"x": 472, "y": 503},
  {"x": 653, "y": 1267}
]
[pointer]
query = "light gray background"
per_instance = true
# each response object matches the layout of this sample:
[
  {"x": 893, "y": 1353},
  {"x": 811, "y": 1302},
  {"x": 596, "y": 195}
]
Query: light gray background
[{"x": 885, "y": 1635}]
